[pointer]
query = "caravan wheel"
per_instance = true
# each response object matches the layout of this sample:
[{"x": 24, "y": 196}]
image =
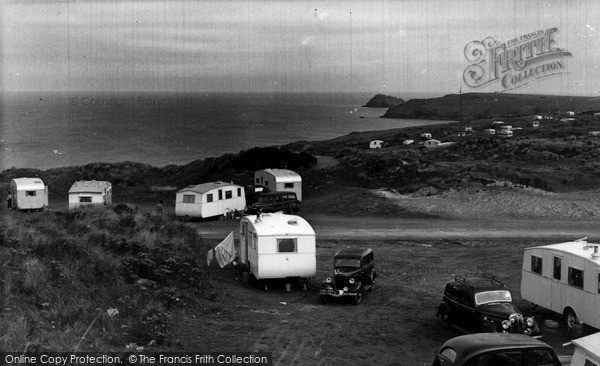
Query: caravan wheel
[{"x": 570, "y": 318}]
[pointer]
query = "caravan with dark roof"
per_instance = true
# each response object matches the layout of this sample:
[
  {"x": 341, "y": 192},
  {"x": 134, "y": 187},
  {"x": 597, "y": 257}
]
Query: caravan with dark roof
[{"x": 210, "y": 199}]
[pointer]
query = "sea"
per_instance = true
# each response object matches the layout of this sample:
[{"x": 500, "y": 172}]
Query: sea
[{"x": 45, "y": 130}]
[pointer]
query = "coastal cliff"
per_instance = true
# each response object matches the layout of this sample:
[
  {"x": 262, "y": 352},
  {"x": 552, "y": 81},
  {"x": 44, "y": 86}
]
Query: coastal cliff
[
  {"x": 490, "y": 105},
  {"x": 383, "y": 101}
]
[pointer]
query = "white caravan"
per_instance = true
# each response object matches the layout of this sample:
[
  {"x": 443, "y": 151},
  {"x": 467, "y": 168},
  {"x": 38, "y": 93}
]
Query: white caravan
[
  {"x": 564, "y": 278},
  {"x": 210, "y": 199},
  {"x": 90, "y": 192},
  {"x": 280, "y": 180},
  {"x": 28, "y": 194},
  {"x": 278, "y": 246}
]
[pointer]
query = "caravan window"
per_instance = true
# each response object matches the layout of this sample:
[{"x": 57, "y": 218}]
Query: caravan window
[
  {"x": 557, "y": 267},
  {"x": 83, "y": 199},
  {"x": 220, "y": 194},
  {"x": 257, "y": 180},
  {"x": 228, "y": 194},
  {"x": 189, "y": 198},
  {"x": 536, "y": 264},
  {"x": 30, "y": 193},
  {"x": 286, "y": 245},
  {"x": 288, "y": 185},
  {"x": 209, "y": 197},
  {"x": 239, "y": 192},
  {"x": 575, "y": 277}
]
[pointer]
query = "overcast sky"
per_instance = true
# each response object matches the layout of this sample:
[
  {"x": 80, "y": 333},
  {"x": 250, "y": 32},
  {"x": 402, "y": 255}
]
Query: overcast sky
[{"x": 281, "y": 46}]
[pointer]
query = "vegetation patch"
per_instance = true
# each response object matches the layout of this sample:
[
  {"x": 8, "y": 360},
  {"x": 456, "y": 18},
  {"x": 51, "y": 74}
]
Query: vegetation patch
[{"x": 96, "y": 279}]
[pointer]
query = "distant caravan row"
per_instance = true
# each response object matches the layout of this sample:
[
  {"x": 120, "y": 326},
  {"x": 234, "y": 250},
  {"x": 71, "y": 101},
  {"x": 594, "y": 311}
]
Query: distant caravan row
[{"x": 273, "y": 190}]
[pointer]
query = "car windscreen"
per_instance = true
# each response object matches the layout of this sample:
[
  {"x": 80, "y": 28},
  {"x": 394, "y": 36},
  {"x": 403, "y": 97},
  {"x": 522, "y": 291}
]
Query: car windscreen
[
  {"x": 347, "y": 262},
  {"x": 265, "y": 199},
  {"x": 487, "y": 297}
]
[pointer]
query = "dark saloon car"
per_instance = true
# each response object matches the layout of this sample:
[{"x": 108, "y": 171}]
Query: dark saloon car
[
  {"x": 273, "y": 202},
  {"x": 481, "y": 303},
  {"x": 495, "y": 349},
  {"x": 353, "y": 274}
]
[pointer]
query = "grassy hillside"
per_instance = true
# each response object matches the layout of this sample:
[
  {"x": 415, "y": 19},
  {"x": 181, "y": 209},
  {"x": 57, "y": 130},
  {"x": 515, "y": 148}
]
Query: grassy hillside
[
  {"x": 110, "y": 275},
  {"x": 556, "y": 157}
]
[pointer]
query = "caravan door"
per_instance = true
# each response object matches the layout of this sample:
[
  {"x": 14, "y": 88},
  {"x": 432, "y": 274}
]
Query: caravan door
[{"x": 556, "y": 287}]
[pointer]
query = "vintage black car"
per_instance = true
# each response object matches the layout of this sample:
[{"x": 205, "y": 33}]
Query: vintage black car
[
  {"x": 481, "y": 303},
  {"x": 498, "y": 349},
  {"x": 353, "y": 274},
  {"x": 273, "y": 202}
]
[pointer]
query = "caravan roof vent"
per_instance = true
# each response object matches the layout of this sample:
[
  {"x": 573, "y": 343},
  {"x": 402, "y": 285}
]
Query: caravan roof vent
[
  {"x": 595, "y": 255},
  {"x": 293, "y": 221}
]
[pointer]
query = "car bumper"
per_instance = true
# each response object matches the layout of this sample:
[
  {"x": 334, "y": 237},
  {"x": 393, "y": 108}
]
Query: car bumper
[{"x": 336, "y": 293}]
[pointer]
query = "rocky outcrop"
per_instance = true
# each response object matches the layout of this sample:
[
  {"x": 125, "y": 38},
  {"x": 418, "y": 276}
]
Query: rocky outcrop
[{"x": 383, "y": 101}]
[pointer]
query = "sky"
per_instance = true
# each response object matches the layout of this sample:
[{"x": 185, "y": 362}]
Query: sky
[{"x": 378, "y": 46}]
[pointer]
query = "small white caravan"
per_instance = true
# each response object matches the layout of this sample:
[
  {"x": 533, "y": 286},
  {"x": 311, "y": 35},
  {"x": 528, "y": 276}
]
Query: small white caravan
[
  {"x": 209, "y": 199},
  {"x": 587, "y": 351},
  {"x": 375, "y": 144},
  {"x": 28, "y": 194},
  {"x": 279, "y": 180},
  {"x": 432, "y": 143},
  {"x": 90, "y": 192},
  {"x": 278, "y": 246},
  {"x": 564, "y": 278}
]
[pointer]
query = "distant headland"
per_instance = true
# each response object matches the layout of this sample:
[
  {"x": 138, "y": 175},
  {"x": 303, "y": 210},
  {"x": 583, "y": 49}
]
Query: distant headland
[
  {"x": 383, "y": 101},
  {"x": 477, "y": 106}
]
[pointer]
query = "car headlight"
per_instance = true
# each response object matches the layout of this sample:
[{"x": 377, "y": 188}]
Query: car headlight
[
  {"x": 345, "y": 289},
  {"x": 505, "y": 324},
  {"x": 529, "y": 322},
  {"x": 351, "y": 281},
  {"x": 328, "y": 280}
]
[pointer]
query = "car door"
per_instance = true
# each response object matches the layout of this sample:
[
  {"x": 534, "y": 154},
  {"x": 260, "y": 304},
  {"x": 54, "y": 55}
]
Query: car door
[
  {"x": 466, "y": 306},
  {"x": 451, "y": 300}
]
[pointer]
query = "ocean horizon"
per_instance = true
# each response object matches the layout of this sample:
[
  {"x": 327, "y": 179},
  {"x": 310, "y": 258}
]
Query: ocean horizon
[{"x": 44, "y": 130}]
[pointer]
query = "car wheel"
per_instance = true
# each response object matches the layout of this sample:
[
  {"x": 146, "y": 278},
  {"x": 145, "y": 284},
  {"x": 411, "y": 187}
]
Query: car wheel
[
  {"x": 358, "y": 297},
  {"x": 570, "y": 318},
  {"x": 324, "y": 299}
]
